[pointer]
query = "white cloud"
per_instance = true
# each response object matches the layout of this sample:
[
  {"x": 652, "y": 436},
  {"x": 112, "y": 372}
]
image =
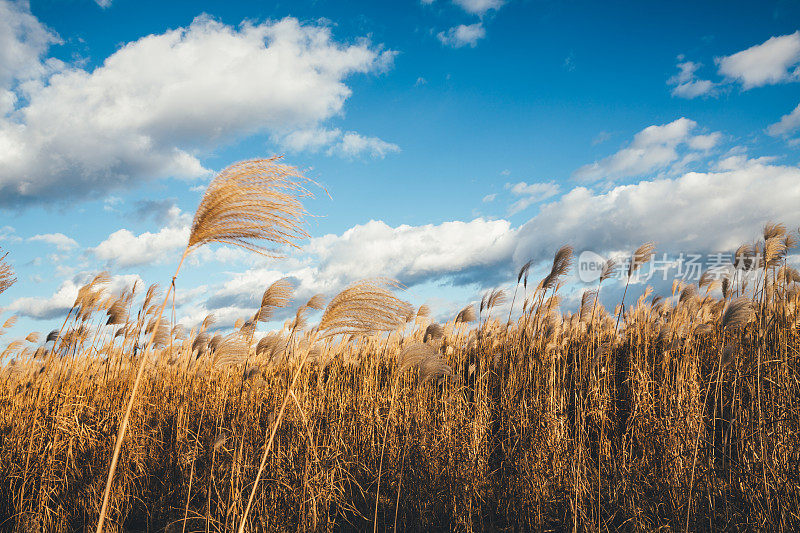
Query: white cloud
[
  {"x": 348, "y": 145},
  {"x": 704, "y": 143},
  {"x": 8, "y": 234},
  {"x": 653, "y": 148},
  {"x": 59, "y": 240},
  {"x": 158, "y": 103},
  {"x": 105, "y": 4},
  {"x": 124, "y": 249},
  {"x": 479, "y": 7},
  {"x": 698, "y": 211},
  {"x": 764, "y": 64},
  {"x": 463, "y": 35},
  {"x": 411, "y": 254},
  {"x": 311, "y": 139},
  {"x": 685, "y": 83},
  {"x": 530, "y": 194},
  {"x": 353, "y": 145},
  {"x": 787, "y": 124},
  {"x": 489, "y": 198},
  {"x": 23, "y": 42}
]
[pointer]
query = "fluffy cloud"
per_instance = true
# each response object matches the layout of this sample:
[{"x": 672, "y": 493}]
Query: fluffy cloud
[
  {"x": 457, "y": 251},
  {"x": 23, "y": 42},
  {"x": 59, "y": 240},
  {"x": 411, "y": 254},
  {"x": 698, "y": 211},
  {"x": 474, "y": 7},
  {"x": 654, "y": 148},
  {"x": 685, "y": 83},
  {"x": 311, "y": 139},
  {"x": 347, "y": 145},
  {"x": 787, "y": 124},
  {"x": 479, "y": 7},
  {"x": 773, "y": 61},
  {"x": 8, "y": 233},
  {"x": 463, "y": 35},
  {"x": 157, "y": 103},
  {"x": 124, "y": 249},
  {"x": 530, "y": 194},
  {"x": 352, "y": 145}
]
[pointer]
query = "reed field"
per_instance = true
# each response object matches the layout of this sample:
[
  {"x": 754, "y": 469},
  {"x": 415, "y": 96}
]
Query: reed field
[{"x": 668, "y": 412}]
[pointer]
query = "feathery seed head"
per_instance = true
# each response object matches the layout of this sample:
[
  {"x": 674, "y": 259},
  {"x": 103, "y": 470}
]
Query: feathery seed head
[
  {"x": 317, "y": 302},
  {"x": 433, "y": 332},
  {"x": 524, "y": 271},
  {"x": 774, "y": 230},
  {"x": 252, "y": 201},
  {"x": 7, "y": 278},
  {"x": 608, "y": 270},
  {"x": 641, "y": 256},
  {"x": 466, "y": 315},
  {"x": 277, "y": 295},
  {"x": 737, "y": 313},
  {"x": 365, "y": 307}
]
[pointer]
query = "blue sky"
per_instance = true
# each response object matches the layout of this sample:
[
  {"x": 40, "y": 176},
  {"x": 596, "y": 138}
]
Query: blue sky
[{"x": 457, "y": 139}]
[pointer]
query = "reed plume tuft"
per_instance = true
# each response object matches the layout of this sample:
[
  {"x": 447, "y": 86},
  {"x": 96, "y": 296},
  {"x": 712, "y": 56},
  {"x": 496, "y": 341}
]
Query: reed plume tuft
[
  {"x": 737, "y": 313},
  {"x": 276, "y": 296},
  {"x": 466, "y": 315},
  {"x": 251, "y": 201},
  {"x": 7, "y": 278},
  {"x": 365, "y": 307},
  {"x": 641, "y": 256}
]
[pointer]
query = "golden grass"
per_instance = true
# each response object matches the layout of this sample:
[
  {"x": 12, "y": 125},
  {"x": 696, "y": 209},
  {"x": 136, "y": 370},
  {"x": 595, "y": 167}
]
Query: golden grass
[{"x": 677, "y": 412}]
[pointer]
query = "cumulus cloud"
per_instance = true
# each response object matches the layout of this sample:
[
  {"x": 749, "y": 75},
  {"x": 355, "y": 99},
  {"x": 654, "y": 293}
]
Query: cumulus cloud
[
  {"x": 156, "y": 104},
  {"x": 353, "y": 145},
  {"x": 654, "y": 148},
  {"x": 9, "y": 234},
  {"x": 530, "y": 194},
  {"x": 411, "y": 254},
  {"x": 697, "y": 211},
  {"x": 347, "y": 145},
  {"x": 463, "y": 35},
  {"x": 456, "y": 251},
  {"x": 125, "y": 249},
  {"x": 479, "y": 7},
  {"x": 787, "y": 124},
  {"x": 23, "y": 42},
  {"x": 311, "y": 139},
  {"x": 686, "y": 84},
  {"x": 773, "y": 61},
  {"x": 59, "y": 240}
]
